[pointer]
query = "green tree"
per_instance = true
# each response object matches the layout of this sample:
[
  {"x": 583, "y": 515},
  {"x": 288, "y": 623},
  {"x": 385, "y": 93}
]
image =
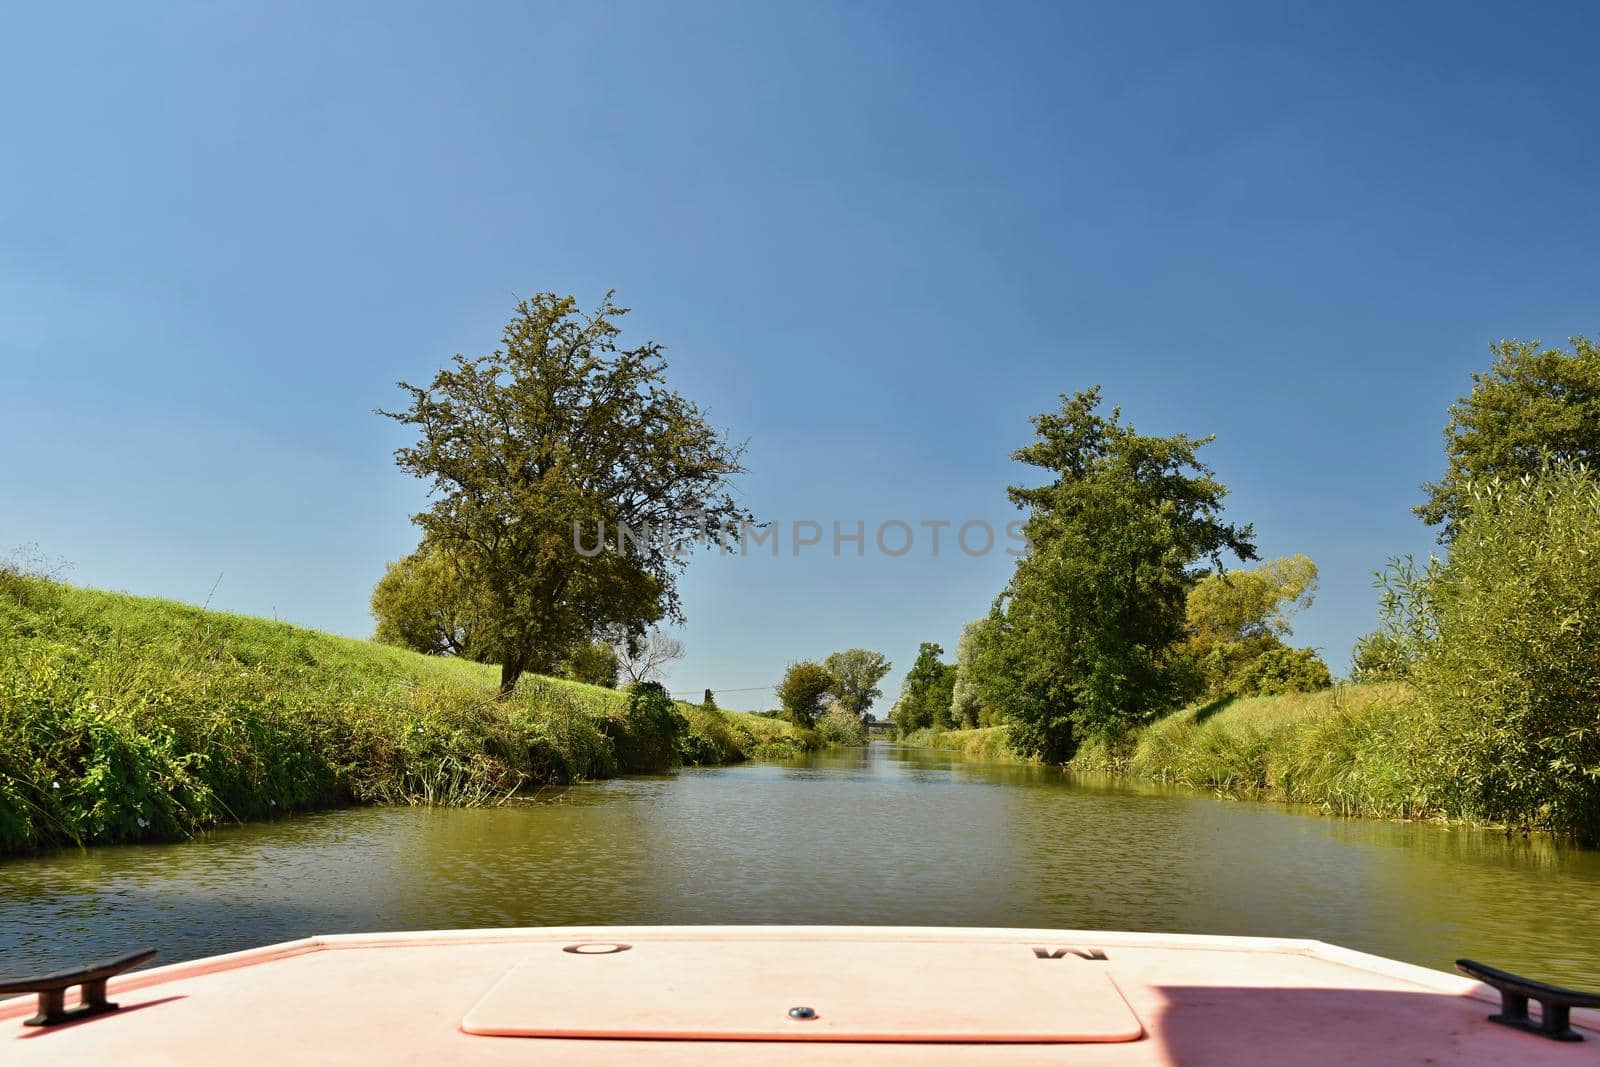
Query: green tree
[
  {"x": 1239, "y": 604},
  {"x": 941, "y": 697},
  {"x": 1236, "y": 619},
  {"x": 803, "y": 693},
  {"x": 856, "y": 673},
  {"x": 559, "y": 432},
  {"x": 966, "y": 702},
  {"x": 593, "y": 663},
  {"x": 1282, "y": 669},
  {"x": 1534, "y": 405},
  {"x": 925, "y": 693},
  {"x": 1507, "y": 662},
  {"x": 1081, "y": 642},
  {"x": 422, "y": 603}
]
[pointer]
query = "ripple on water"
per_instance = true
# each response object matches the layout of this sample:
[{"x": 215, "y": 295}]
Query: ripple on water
[{"x": 883, "y": 835}]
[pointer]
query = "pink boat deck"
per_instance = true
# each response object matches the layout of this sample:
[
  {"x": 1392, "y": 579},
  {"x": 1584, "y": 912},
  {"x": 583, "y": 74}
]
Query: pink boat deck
[{"x": 704, "y": 996}]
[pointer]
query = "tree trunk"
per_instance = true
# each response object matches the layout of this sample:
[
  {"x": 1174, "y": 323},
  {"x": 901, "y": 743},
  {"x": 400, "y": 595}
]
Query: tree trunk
[{"x": 510, "y": 671}]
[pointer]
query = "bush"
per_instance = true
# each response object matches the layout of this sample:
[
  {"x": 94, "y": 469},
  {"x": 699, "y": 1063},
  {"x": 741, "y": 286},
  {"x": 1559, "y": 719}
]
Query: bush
[
  {"x": 593, "y": 663},
  {"x": 840, "y": 727},
  {"x": 647, "y": 732},
  {"x": 1284, "y": 670},
  {"x": 804, "y": 689},
  {"x": 1510, "y": 680},
  {"x": 711, "y": 739},
  {"x": 1406, "y": 625}
]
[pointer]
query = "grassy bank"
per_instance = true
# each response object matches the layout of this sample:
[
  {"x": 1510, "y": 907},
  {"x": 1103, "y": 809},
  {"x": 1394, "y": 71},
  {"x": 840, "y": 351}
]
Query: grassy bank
[
  {"x": 125, "y": 718},
  {"x": 984, "y": 743},
  {"x": 1352, "y": 750}
]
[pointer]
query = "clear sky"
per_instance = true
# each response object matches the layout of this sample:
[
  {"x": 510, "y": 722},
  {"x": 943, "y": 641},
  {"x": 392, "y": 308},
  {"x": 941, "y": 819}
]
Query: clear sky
[{"x": 875, "y": 237}]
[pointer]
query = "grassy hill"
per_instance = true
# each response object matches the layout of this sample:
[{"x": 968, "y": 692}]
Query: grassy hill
[{"x": 125, "y": 718}]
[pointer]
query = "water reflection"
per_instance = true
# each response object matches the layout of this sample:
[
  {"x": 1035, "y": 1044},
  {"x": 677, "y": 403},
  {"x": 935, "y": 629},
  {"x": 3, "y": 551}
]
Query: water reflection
[{"x": 878, "y": 835}]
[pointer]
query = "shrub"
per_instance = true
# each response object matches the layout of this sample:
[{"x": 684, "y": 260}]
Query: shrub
[
  {"x": 712, "y": 738},
  {"x": 841, "y": 727},
  {"x": 1284, "y": 670},
  {"x": 804, "y": 689},
  {"x": 1510, "y": 680},
  {"x": 1405, "y": 611},
  {"x": 593, "y": 663},
  {"x": 647, "y": 731}
]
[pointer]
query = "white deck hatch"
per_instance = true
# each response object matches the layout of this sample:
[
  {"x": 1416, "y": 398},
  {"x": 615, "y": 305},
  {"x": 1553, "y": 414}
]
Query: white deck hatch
[{"x": 744, "y": 990}]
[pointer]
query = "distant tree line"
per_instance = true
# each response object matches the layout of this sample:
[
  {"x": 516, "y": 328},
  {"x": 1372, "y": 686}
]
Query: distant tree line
[{"x": 836, "y": 695}]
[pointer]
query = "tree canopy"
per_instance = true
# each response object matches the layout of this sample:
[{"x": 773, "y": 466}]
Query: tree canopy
[
  {"x": 422, "y": 604},
  {"x": 925, "y": 695},
  {"x": 1236, "y": 605},
  {"x": 1081, "y": 640},
  {"x": 966, "y": 700},
  {"x": 1237, "y": 621},
  {"x": 856, "y": 674},
  {"x": 804, "y": 691},
  {"x": 1533, "y": 406},
  {"x": 560, "y": 438}
]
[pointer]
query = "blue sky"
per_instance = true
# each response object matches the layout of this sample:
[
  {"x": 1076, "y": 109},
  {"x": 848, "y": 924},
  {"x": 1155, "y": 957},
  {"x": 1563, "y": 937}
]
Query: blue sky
[{"x": 875, "y": 237}]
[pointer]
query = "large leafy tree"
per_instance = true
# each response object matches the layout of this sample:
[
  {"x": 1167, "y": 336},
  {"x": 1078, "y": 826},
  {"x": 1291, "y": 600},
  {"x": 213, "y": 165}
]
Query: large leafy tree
[
  {"x": 551, "y": 444},
  {"x": 1237, "y": 621},
  {"x": 856, "y": 674},
  {"x": 966, "y": 700},
  {"x": 804, "y": 691},
  {"x": 926, "y": 692},
  {"x": 1082, "y": 639},
  {"x": 1533, "y": 406}
]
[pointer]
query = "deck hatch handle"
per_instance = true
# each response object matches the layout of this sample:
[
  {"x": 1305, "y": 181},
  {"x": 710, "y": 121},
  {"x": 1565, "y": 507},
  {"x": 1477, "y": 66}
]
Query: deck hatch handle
[
  {"x": 1555, "y": 1003},
  {"x": 52, "y": 989}
]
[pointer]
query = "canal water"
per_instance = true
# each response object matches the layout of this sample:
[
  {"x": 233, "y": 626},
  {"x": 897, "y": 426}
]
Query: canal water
[{"x": 876, "y": 835}]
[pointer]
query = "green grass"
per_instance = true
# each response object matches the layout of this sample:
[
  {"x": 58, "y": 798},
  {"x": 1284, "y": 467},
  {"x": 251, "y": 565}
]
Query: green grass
[
  {"x": 126, "y": 718},
  {"x": 1350, "y": 750},
  {"x": 991, "y": 743}
]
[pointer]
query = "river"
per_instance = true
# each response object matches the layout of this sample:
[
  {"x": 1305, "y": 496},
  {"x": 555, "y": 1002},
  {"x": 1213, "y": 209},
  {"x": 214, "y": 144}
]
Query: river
[{"x": 880, "y": 835}]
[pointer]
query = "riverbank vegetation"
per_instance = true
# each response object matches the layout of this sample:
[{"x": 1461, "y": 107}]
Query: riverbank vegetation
[
  {"x": 834, "y": 696},
  {"x": 125, "y": 718},
  {"x": 991, "y": 743},
  {"x": 1482, "y": 700},
  {"x": 1346, "y": 749}
]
